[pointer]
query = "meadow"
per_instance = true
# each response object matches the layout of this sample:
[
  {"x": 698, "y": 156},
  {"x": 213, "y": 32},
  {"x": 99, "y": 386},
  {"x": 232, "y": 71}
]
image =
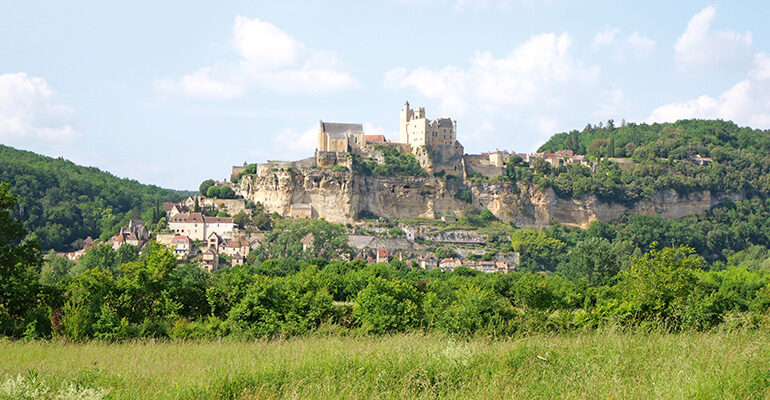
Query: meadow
[{"x": 599, "y": 364}]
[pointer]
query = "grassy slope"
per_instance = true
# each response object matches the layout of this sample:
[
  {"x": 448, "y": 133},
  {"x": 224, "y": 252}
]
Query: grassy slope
[{"x": 593, "y": 365}]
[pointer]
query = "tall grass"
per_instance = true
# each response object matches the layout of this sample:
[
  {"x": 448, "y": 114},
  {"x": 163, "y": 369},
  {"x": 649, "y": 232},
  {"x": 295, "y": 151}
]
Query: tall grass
[{"x": 713, "y": 365}]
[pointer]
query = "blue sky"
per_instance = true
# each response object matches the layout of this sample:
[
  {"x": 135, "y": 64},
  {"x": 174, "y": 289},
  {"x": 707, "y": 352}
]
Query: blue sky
[{"x": 175, "y": 92}]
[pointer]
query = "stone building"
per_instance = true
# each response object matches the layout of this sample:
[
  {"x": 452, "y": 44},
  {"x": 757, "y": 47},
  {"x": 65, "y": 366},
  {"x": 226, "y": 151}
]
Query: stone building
[
  {"x": 338, "y": 137},
  {"x": 199, "y": 227},
  {"x": 418, "y": 131}
]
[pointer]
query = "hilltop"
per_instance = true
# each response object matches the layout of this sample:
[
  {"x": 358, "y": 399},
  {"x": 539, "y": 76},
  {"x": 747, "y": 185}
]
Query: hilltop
[
  {"x": 62, "y": 202},
  {"x": 601, "y": 173}
]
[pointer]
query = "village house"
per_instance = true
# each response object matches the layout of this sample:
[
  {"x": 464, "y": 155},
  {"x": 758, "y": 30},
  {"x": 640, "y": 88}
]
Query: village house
[
  {"x": 135, "y": 234},
  {"x": 173, "y": 209},
  {"x": 237, "y": 259},
  {"x": 428, "y": 261},
  {"x": 233, "y": 247},
  {"x": 449, "y": 264},
  {"x": 382, "y": 256},
  {"x": 210, "y": 259},
  {"x": 199, "y": 227},
  {"x": 181, "y": 246}
]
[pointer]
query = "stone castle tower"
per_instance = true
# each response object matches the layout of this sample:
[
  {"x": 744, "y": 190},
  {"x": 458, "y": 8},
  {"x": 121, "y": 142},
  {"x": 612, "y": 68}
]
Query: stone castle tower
[{"x": 418, "y": 131}]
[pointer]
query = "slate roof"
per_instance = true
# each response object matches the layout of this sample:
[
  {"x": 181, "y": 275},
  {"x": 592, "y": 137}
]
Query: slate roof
[
  {"x": 445, "y": 123},
  {"x": 335, "y": 129}
]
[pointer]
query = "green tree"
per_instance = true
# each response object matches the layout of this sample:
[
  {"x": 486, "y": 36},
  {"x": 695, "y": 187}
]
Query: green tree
[
  {"x": 241, "y": 219},
  {"x": 85, "y": 296},
  {"x": 204, "y": 187},
  {"x": 658, "y": 285},
  {"x": 388, "y": 306},
  {"x": 475, "y": 309},
  {"x": 99, "y": 257},
  {"x": 144, "y": 285},
  {"x": 593, "y": 259},
  {"x": 213, "y": 191},
  {"x": 19, "y": 258},
  {"x": 55, "y": 270}
]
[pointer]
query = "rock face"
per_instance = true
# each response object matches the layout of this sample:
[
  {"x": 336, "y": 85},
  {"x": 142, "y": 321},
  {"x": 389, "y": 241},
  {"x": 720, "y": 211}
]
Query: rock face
[{"x": 341, "y": 196}]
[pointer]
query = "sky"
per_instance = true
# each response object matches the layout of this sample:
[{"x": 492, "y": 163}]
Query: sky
[{"x": 175, "y": 92}]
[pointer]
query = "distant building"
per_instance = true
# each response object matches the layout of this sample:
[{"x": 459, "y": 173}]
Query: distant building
[
  {"x": 181, "y": 246},
  {"x": 449, "y": 264},
  {"x": 199, "y": 227},
  {"x": 210, "y": 259},
  {"x": 135, "y": 234},
  {"x": 382, "y": 256}
]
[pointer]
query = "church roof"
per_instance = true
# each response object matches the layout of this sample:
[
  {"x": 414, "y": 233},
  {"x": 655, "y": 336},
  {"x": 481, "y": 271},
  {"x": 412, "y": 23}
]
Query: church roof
[{"x": 335, "y": 129}]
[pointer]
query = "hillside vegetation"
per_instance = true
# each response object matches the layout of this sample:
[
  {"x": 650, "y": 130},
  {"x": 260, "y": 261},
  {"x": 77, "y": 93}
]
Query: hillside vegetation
[
  {"x": 659, "y": 154},
  {"x": 62, "y": 202}
]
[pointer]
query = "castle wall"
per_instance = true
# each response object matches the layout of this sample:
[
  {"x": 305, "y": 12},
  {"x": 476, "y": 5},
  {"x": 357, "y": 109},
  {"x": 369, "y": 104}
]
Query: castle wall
[{"x": 481, "y": 164}]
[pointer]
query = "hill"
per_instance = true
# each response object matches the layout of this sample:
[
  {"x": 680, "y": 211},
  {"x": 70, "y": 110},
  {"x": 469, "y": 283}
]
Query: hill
[
  {"x": 63, "y": 202},
  {"x": 687, "y": 156}
]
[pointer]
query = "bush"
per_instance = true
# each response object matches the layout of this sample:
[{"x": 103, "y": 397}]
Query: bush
[
  {"x": 464, "y": 195},
  {"x": 388, "y": 306}
]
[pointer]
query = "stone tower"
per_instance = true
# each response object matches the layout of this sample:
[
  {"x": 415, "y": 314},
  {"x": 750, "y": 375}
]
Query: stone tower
[{"x": 406, "y": 116}]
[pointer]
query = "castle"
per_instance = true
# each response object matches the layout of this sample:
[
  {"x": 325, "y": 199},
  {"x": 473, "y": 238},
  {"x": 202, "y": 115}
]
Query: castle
[{"x": 434, "y": 142}]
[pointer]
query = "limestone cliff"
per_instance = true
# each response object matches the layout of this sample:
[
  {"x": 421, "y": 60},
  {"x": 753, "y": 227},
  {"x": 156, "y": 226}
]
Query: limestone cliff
[{"x": 340, "y": 196}]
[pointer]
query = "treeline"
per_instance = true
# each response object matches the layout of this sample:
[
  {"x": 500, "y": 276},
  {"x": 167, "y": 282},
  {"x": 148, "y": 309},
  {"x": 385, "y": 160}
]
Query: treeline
[
  {"x": 155, "y": 297},
  {"x": 730, "y": 234},
  {"x": 660, "y": 153},
  {"x": 294, "y": 289},
  {"x": 63, "y": 203}
]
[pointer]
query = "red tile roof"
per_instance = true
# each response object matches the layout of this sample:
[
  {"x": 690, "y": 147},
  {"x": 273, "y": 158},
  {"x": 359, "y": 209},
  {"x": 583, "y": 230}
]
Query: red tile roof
[
  {"x": 188, "y": 217},
  {"x": 375, "y": 138}
]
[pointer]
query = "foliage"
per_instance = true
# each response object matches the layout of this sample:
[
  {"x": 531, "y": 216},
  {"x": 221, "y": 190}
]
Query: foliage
[
  {"x": 388, "y": 306},
  {"x": 284, "y": 241},
  {"x": 62, "y": 202},
  {"x": 661, "y": 154},
  {"x": 220, "y": 192},
  {"x": 396, "y": 164},
  {"x": 19, "y": 260},
  {"x": 203, "y": 189}
]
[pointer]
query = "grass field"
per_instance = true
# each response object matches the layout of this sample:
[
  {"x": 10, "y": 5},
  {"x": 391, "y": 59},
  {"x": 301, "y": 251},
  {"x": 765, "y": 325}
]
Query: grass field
[{"x": 584, "y": 366}]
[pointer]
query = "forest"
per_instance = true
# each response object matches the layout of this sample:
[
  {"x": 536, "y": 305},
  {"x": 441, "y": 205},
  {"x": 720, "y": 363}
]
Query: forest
[
  {"x": 63, "y": 203},
  {"x": 658, "y": 158}
]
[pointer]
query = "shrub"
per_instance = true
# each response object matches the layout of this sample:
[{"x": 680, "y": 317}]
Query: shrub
[{"x": 388, "y": 306}]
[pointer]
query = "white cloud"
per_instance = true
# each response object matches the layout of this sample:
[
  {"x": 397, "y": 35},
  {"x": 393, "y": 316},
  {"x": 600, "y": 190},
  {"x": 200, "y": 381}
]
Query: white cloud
[
  {"x": 28, "y": 110},
  {"x": 532, "y": 91},
  {"x": 633, "y": 46},
  {"x": 700, "y": 47},
  {"x": 268, "y": 58},
  {"x": 605, "y": 37},
  {"x": 371, "y": 129},
  {"x": 292, "y": 145},
  {"x": 200, "y": 85},
  {"x": 747, "y": 102}
]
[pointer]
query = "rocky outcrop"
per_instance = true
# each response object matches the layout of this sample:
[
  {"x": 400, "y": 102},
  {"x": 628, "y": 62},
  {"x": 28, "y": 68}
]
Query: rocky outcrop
[{"x": 341, "y": 196}]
